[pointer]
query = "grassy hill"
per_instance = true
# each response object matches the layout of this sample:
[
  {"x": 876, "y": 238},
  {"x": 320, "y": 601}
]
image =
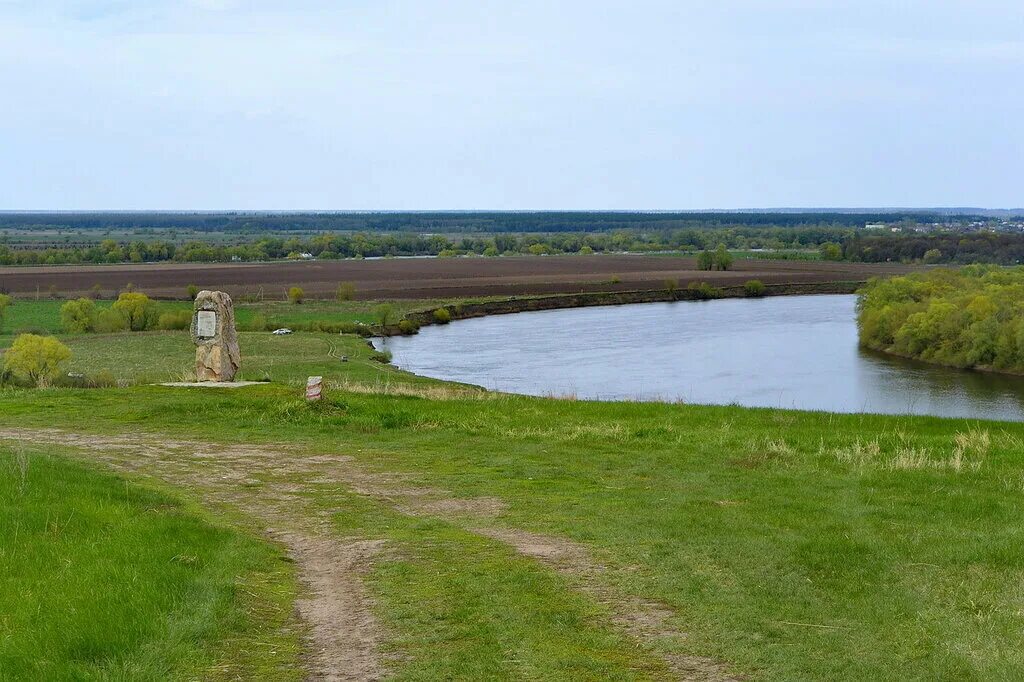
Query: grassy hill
[{"x": 517, "y": 537}]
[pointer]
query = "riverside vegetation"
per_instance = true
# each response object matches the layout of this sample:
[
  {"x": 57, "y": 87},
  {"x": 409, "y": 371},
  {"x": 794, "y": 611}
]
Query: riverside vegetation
[
  {"x": 522, "y": 537},
  {"x": 971, "y": 317}
]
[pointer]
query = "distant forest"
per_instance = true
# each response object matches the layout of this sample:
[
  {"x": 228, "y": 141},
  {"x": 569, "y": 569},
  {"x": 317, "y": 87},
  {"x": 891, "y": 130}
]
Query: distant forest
[
  {"x": 451, "y": 222},
  {"x": 152, "y": 237},
  {"x": 960, "y": 248},
  {"x": 329, "y": 245}
]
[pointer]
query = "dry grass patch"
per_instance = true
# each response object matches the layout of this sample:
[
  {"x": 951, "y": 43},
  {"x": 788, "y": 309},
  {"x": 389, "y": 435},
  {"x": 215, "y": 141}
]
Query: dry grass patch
[{"x": 969, "y": 449}]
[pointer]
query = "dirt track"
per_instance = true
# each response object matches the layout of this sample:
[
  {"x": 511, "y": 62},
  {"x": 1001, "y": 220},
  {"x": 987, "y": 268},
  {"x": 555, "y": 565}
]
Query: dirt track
[
  {"x": 271, "y": 485},
  {"x": 426, "y": 277}
]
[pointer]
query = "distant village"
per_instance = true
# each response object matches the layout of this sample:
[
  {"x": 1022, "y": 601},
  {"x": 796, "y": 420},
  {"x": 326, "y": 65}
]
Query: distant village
[{"x": 1010, "y": 225}]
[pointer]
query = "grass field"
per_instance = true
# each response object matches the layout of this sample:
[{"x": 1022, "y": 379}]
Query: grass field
[
  {"x": 559, "y": 539},
  {"x": 44, "y": 315},
  {"x": 102, "y": 578}
]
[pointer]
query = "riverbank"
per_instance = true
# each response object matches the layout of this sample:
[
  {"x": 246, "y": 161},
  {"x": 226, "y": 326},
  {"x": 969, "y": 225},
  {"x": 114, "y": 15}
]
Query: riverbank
[{"x": 462, "y": 311}]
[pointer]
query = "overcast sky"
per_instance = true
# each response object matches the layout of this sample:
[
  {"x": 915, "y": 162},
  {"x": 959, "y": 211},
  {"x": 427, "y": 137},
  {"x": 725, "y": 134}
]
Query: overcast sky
[{"x": 516, "y": 104}]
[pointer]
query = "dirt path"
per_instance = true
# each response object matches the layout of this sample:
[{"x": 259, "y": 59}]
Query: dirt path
[
  {"x": 268, "y": 484},
  {"x": 343, "y": 637}
]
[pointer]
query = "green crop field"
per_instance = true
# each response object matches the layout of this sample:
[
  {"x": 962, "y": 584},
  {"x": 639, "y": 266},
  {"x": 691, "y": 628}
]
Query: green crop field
[{"x": 502, "y": 537}]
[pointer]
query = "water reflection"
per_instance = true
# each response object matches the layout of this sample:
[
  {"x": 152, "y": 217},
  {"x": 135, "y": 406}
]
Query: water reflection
[{"x": 798, "y": 352}]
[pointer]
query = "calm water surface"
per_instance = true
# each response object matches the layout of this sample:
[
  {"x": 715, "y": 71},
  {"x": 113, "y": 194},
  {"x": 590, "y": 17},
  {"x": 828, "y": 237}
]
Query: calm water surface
[{"x": 793, "y": 352}]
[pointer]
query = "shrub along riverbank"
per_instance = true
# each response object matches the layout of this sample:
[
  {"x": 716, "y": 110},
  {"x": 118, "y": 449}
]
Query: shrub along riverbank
[{"x": 972, "y": 317}]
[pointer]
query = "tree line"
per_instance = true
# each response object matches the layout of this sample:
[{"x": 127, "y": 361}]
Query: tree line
[
  {"x": 960, "y": 248},
  {"x": 968, "y": 317},
  {"x": 331, "y": 245},
  {"x": 454, "y": 221},
  {"x": 828, "y": 242}
]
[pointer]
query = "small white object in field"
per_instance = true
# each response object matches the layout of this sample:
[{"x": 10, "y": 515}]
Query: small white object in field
[
  {"x": 282, "y": 331},
  {"x": 314, "y": 388}
]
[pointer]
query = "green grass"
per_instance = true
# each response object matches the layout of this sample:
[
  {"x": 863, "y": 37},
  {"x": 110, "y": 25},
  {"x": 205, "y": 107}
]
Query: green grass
[
  {"x": 150, "y": 357},
  {"x": 102, "y": 578},
  {"x": 43, "y": 316},
  {"x": 793, "y": 545}
]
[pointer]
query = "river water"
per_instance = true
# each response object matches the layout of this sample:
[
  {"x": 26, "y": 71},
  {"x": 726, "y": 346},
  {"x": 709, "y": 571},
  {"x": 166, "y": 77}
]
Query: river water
[{"x": 788, "y": 351}]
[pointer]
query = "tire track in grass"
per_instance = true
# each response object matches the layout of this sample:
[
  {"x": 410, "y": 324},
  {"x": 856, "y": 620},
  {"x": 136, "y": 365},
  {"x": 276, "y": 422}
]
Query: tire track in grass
[{"x": 344, "y": 640}]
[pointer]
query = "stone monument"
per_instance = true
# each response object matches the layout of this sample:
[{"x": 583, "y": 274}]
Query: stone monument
[{"x": 213, "y": 332}]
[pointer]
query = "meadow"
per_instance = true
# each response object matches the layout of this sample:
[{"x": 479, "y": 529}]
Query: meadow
[{"x": 509, "y": 537}]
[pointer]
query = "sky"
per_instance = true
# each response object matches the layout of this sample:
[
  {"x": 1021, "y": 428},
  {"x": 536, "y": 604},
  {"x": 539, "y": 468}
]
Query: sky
[{"x": 510, "y": 104}]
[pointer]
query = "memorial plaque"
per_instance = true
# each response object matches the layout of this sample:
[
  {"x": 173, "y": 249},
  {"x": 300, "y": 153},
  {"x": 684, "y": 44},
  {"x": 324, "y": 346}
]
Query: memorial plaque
[
  {"x": 213, "y": 332},
  {"x": 206, "y": 324}
]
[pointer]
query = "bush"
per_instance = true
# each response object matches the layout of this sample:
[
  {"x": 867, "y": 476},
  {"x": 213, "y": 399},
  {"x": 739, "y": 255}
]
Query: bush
[
  {"x": 385, "y": 315},
  {"x": 109, "y": 321},
  {"x": 96, "y": 291},
  {"x": 346, "y": 291},
  {"x": 39, "y": 359},
  {"x": 177, "y": 319},
  {"x": 932, "y": 256},
  {"x": 78, "y": 317},
  {"x": 296, "y": 295},
  {"x": 408, "y": 327},
  {"x": 138, "y": 311},
  {"x": 671, "y": 286},
  {"x": 703, "y": 291},
  {"x": 192, "y": 291},
  {"x": 754, "y": 288},
  {"x": 442, "y": 316},
  {"x": 5, "y": 302},
  {"x": 831, "y": 251},
  {"x": 382, "y": 356}
]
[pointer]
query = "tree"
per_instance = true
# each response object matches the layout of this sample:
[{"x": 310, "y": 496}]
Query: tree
[
  {"x": 296, "y": 295},
  {"x": 719, "y": 259},
  {"x": 932, "y": 256},
  {"x": 5, "y": 302},
  {"x": 78, "y": 317},
  {"x": 192, "y": 290},
  {"x": 346, "y": 291},
  {"x": 831, "y": 251},
  {"x": 40, "y": 359},
  {"x": 384, "y": 314},
  {"x": 138, "y": 311},
  {"x": 723, "y": 259}
]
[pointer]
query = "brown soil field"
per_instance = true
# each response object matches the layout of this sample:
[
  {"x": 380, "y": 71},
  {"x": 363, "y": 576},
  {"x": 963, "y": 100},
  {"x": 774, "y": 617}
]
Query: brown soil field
[{"x": 426, "y": 277}]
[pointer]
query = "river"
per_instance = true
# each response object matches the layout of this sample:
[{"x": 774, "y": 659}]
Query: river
[{"x": 789, "y": 351}]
